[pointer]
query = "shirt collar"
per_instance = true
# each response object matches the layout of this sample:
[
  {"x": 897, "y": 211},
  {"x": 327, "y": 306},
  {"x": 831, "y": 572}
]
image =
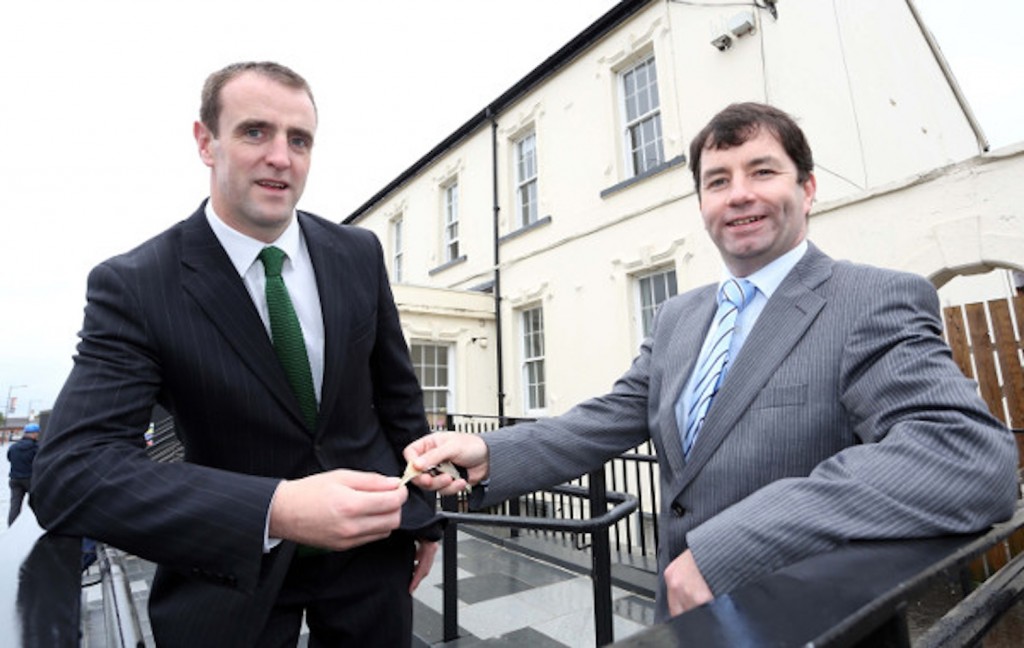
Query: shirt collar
[
  {"x": 768, "y": 278},
  {"x": 243, "y": 250}
]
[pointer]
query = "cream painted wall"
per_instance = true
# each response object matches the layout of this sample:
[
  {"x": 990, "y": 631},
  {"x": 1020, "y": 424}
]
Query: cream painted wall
[
  {"x": 465, "y": 322},
  {"x": 962, "y": 219},
  {"x": 899, "y": 183}
]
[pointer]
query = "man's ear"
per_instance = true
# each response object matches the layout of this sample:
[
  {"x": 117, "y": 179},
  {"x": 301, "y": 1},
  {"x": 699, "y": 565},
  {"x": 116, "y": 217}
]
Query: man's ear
[
  {"x": 810, "y": 186},
  {"x": 204, "y": 140}
]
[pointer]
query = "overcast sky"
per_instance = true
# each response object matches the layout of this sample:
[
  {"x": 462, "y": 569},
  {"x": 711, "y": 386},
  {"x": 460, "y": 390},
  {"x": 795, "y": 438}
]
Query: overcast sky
[{"x": 99, "y": 99}]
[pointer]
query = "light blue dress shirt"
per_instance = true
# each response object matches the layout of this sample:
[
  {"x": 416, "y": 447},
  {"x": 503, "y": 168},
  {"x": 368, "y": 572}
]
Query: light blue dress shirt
[{"x": 766, "y": 281}]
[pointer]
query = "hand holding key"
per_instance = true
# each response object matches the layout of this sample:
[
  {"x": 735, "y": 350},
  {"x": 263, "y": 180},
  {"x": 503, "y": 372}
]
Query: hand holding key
[
  {"x": 445, "y": 467},
  {"x": 435, "y": 450}
]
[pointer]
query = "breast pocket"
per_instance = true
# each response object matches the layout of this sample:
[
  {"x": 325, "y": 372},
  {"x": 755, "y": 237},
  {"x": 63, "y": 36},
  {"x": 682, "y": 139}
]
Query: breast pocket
[{"x": 781, "y": 396}]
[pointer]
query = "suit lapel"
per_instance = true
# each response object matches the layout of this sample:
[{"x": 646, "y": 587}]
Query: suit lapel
[
  {"x": 333, "y": 281},
  {"x": 682, "y": 351},
  {"x": 212, "y": 281},
  {"x": 781, "y": 325}
]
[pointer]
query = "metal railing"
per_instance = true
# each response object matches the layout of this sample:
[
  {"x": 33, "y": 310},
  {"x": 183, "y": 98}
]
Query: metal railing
[
  {"x": 120, "y": 614},
  {"x": 601, "y": 518},
  {"x": 857, "y": 595},
  {"x": 165, "y": 445},
  {"x": 572, "y": 510},
  {"x": 633, "y": 537}
]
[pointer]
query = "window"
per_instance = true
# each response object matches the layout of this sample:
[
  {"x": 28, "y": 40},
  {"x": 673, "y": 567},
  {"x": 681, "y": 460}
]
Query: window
[
  {"x": 533, "y": 359},
  {"x": 431, "y": 361},
  {"x": 396, "y": 250},
  {"x": 526, "y": 180},
  {"x": 451, "y": 222},
  {"x": 654, "y": 289},
  {"x": 643, "y": 117}
]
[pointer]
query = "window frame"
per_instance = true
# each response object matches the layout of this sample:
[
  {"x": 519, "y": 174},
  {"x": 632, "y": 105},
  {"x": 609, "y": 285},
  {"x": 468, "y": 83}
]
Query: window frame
[
  {"x": 647, "y": 312},
  {"x": 445, "y": 352},
  {"x": 526, "y": 213},
  {"x": 450, "y": 221},
  {"x": 637, "y": 123},
  {"x": 533, "y": 363}
]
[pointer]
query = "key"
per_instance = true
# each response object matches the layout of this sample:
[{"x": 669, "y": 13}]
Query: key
[{"x": 446, "y": 467}]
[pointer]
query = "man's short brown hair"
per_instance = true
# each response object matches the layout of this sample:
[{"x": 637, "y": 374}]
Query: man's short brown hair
[
  {"x": 210, "y": 106},
  {"x": 739, "y": 122}
]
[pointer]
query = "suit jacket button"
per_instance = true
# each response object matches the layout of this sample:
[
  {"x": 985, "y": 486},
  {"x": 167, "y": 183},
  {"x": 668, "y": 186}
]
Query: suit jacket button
[{"x": 678, "y": 509}]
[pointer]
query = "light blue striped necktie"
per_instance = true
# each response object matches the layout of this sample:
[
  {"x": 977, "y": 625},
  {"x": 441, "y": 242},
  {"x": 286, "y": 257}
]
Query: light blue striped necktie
[{"x": 732, "y": 296}]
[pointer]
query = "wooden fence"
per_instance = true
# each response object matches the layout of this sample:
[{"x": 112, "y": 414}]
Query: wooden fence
[{"x": 986, "y": 341}]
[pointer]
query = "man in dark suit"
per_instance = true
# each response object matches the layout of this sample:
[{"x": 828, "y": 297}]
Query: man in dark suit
[
  {"x": 279, "y": 509},
  {"x": 838, "y": 415}
]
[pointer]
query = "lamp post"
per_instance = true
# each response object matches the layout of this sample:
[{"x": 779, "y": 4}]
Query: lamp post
[{"x": 7, "y": 415}]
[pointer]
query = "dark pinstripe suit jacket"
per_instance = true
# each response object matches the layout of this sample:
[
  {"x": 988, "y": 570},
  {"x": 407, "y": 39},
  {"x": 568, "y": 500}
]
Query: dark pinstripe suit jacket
[
  {"x": 171, "y": 322},
  {"x": 843, "y": 417}
]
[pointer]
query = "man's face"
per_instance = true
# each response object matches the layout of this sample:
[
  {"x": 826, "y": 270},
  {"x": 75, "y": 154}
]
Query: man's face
[
  {"x": 753, "y": 206},
  {"x": 260, "y": 160}
]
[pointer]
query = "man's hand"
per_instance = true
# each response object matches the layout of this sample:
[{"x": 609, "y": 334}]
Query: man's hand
[
  {"x": 686, "y": 586},
  {"x": 337, "y": 510},
  {"x": 466, "y": 450},
  {"x": 425, "y": 552}
]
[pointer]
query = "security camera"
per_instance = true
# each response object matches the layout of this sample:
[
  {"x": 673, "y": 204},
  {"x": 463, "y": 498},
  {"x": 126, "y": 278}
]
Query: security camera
[{"x": 722, "y": 43}]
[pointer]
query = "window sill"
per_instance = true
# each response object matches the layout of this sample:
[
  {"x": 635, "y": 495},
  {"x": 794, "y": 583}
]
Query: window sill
[
  {"x": 540, "y": 222},
  {"x": 676, "y": 161},
  {"x": 445, "y": 266}
]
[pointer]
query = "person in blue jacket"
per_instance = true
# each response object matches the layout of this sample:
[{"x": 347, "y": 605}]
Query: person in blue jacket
[{"x": 21, "y": 454}]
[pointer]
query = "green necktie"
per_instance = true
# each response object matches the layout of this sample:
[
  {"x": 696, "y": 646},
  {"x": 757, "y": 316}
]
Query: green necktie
[{"x": 287, "y": 335}]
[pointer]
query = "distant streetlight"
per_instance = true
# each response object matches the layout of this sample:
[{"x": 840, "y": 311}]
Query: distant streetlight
[{"x": 9, "y": 408}]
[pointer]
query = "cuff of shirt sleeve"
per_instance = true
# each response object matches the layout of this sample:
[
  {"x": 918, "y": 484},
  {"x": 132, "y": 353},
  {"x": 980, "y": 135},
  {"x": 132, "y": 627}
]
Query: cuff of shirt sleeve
[{"x": 268, "y": 542}]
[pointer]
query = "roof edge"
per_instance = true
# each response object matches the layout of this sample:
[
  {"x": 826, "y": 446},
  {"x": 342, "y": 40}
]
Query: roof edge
[{"x": 565, "y": 54}]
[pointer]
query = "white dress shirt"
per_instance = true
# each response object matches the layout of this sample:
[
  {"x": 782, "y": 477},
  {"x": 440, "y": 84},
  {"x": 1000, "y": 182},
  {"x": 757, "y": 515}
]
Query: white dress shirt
[{"x": 298, "y": 277}]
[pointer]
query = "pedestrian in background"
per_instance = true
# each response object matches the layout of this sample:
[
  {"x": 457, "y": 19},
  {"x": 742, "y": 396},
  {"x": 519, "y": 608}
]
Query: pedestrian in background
[{"x": 21, "y": 454}]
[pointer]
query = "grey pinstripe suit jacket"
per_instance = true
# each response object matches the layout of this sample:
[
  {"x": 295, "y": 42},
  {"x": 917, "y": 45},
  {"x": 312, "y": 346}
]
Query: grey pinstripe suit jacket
[
  {"x": 843, "y": 417},
  {"x": 171, "y": 322}
]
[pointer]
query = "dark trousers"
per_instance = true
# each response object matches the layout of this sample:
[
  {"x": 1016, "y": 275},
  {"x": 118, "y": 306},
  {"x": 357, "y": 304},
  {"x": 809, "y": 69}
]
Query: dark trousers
[
  {"x": 353, "y": 598},
  {"x": 19, "y": 489}
]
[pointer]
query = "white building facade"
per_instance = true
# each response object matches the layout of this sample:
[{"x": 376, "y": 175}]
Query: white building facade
[{"x": 530, "y": 249}]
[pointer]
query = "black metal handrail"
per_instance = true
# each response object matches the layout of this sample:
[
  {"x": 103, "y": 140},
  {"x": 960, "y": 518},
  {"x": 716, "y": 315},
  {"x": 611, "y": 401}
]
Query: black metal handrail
[
  {"x": 634, "y": 471},
  {"x": 859, "y": 595},
  {"x": 624, "y": 505},
  {"x": 597, "y": 525},
  {"x": 120, "y": 614}
]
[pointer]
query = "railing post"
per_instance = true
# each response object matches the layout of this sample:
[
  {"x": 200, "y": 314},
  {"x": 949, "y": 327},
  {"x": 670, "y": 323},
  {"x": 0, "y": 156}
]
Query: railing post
[
  {"x": 601, "y": 561},
  {"x": 450, "y": 576},
  {"x": 513, "y": 504},
  {"x": 450, "y": 563}
]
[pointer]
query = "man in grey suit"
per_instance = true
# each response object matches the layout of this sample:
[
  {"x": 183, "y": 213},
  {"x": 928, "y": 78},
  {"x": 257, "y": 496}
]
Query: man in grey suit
[
  {"x": 288, "y": 505},
  {"x": 836, "y": 412}
]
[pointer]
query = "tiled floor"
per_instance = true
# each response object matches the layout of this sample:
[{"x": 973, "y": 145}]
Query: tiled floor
[{"x": 505, "y": 599}]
